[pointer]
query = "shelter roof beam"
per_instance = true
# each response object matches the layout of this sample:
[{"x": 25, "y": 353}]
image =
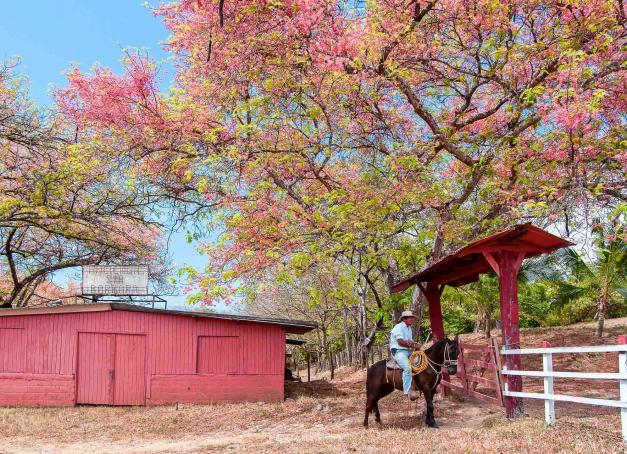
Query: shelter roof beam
[{"x": 461, "y": 273}]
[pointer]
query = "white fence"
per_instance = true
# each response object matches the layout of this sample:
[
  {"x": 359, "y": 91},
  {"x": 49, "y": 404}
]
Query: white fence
[{"x": 548, "y": 374}]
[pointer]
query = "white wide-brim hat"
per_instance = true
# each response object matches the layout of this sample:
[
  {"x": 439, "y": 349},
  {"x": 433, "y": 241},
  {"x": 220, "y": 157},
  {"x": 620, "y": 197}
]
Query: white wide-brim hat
[{"x": 407, "y": 314}]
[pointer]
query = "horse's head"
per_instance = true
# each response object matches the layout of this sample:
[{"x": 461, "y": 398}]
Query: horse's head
[{"x": 451, "y": 352}]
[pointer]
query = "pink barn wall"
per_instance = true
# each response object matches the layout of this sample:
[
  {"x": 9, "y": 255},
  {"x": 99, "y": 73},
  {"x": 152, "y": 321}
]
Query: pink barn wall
[{"x": 39, "y": 359}]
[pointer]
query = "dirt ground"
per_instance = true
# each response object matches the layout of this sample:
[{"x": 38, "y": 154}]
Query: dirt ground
[{"x": 326, "y": 417}]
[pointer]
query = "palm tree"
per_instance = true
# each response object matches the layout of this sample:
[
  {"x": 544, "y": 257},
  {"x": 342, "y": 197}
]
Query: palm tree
[{"x": 602, "y": 280}]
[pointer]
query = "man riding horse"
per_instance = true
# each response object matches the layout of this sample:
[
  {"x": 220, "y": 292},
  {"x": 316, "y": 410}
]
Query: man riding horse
[
  {"x": 401, "y": 345},
  {"x": 381, "y": 380}
]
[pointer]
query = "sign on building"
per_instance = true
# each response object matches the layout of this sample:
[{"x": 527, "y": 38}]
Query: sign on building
[{"x": 115, "y": 280}]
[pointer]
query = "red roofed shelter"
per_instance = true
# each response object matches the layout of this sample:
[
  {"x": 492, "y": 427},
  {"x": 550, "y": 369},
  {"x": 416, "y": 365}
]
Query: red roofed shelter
[{"x": 504, "y": 253}]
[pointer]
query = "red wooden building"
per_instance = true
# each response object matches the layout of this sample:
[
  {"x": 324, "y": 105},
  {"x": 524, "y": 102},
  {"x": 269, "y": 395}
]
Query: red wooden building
[{"x": 120, "y": 354}]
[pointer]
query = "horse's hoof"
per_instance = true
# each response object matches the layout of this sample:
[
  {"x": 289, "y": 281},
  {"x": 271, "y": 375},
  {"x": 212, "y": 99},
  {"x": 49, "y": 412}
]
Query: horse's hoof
[{"x": 434, "y": 425}]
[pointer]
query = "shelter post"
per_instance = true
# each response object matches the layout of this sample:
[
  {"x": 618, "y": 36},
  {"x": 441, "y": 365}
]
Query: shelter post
[
  {"x": 508, "y": 263},
  {"x": 433, "y": 293}
]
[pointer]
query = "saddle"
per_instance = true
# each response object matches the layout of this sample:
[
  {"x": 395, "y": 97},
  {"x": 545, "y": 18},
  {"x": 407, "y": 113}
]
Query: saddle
[{"x": 392, "y": 364}]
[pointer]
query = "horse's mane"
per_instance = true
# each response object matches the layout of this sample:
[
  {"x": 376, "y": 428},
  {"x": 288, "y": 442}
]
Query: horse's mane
[{"x": 437, "y": 344}]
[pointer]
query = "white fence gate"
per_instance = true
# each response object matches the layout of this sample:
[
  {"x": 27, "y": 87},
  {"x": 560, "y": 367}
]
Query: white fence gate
[{"x": 548, "y": 374}]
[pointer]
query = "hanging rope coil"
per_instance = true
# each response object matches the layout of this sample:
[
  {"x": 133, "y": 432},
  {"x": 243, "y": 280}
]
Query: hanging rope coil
[{"x": 419, "y": 361}]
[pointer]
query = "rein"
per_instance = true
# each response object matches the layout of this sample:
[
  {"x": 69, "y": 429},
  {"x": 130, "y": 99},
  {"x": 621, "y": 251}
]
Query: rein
[
  {"x": 447, "y": 360},
  {"x": 446, "y": 363}
]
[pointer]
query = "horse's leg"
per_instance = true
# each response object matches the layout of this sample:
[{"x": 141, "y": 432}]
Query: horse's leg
[
  {"x": 377, "y": 414},
  {"x": 395, "y": 380},
  {"x": 374, "y": 393},
  {"x": 430, "y": 420},
  {"x": 373, "y": 383},
  {"x": 385, "y": 390},
  {"x": 370, "y": 402}
]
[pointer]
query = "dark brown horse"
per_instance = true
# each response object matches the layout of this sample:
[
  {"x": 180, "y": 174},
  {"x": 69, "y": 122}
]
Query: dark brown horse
[{"x": 382, "y": 381}]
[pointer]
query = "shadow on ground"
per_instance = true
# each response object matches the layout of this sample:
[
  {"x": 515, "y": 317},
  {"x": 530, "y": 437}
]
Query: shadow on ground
[{"x": 315, "y": 388}]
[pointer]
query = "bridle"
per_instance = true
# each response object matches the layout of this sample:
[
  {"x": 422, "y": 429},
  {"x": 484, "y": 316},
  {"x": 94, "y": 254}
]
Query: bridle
[{"x": 446, "y": 363}]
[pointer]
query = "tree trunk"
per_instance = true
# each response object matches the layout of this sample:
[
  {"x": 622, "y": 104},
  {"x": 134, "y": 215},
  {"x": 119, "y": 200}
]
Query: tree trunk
[
  {"x": 393, "y": 276},
  {"x": 320, "y": 346},
  {"x": 369, "y": 340},
  {"x": 327, "y": 353},
  {"x": 478, "y": 322},
  {"x": 357, "y": 337},
  {"x": 601, "y": 307},
  {"x": 347, "y": 336},
  {"x": 363, "y": 354},
  {"x": 417, "y": 307},
  {"x": 27, "y": 292}
]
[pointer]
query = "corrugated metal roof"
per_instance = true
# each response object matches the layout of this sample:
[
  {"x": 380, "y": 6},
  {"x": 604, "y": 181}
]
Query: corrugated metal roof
[
  {"x": 466, "y": 264},
  {"x": 295, "y": 341},
  {"x": 291, "y": 326}
]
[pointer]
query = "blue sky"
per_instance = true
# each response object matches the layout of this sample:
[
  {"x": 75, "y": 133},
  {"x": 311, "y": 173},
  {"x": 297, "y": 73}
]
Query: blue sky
[{"x": 49, "y": 36}]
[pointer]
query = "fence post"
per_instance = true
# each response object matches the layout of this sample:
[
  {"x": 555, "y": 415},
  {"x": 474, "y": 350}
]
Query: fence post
[
  {"x": 461, "y": 370},
  {"x": 496, "y": 359},
  {"x": 622, "y": 369},
  {"x": 549, "y": 403}
]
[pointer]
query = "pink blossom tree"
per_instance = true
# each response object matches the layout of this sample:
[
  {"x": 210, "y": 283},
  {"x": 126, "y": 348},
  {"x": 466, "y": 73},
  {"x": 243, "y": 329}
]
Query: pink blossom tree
[
  {"x": 64, "y": 201},
  {"x": 372, "y": 137}
]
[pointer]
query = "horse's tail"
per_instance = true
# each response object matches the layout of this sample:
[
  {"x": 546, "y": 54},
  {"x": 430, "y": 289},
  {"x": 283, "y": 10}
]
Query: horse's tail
[{"x": 369, "y": 375}]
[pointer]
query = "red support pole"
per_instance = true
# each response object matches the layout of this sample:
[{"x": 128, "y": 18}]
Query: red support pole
[
  {"x": 433, "y": 293},
  {"x": 509, "y": 263}
]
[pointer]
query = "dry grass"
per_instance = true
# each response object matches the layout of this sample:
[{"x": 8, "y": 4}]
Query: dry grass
[{"x": 322, "y": 417}]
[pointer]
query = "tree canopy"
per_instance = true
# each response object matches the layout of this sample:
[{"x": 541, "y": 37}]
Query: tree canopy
[
  {"x": 339, "y": 145},
  {"x": 65, "y": 200}
]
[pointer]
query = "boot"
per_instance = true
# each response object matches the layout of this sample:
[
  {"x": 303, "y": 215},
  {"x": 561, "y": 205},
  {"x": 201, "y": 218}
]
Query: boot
[{"x": 413, "y": 395}]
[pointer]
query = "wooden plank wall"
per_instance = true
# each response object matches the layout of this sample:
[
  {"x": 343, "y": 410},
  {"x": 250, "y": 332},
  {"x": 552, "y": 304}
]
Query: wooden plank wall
[
  {"x": 36, "y": 390},
  {"x": 47, "y": 345}
]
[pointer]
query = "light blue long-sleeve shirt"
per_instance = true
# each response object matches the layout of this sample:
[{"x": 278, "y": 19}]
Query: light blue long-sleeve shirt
[{"x": 400, "y": 331}]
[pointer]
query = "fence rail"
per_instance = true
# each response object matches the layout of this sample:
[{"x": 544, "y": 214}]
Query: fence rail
[
  {"x": 583, "y": 349},
  {"x": 582, "y": 375},
  {"x": 548, "y": 375}
]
